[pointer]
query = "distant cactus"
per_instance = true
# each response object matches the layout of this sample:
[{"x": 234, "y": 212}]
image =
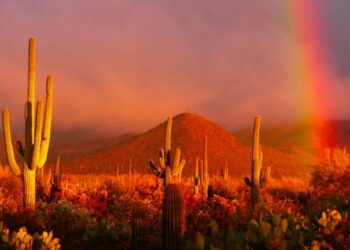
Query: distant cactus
[
  {"x": 224, "y": 173},
  {"x": 173, "y": 217},
  {"x": 56, "y": 187},
  {"x": 130, "y": 174},
  {"x": 260, "y": 175},
  {"x": 138, "y": 230},
  {"x": 196, "y": 178},
  {"x": 49, "y": 177},
  {"x": 37, "y": 133},
  {"x": 58, "y": 172},
  {"x": 168, "y": 169},
  {"x": 210, "y": 192},
  {"x": 204, "y": 168}
]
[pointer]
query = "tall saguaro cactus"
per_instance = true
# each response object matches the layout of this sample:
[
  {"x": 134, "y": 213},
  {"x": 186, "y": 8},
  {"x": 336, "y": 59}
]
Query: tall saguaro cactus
[
  {"x": 56, "y": 185},
  {"x": 138, "y": 230},
  {"x": 204, "y": 168},
  {"x": 37, "y": 133},
  {"x": 260, "y": 175},
  {"x": 169, "y": 169},
  {"x": 173, "y": 217},
  {"x": 196, "y": 179}
]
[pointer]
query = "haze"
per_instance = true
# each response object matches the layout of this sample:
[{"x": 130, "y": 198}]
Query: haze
[{"x": 124, "y": 66}]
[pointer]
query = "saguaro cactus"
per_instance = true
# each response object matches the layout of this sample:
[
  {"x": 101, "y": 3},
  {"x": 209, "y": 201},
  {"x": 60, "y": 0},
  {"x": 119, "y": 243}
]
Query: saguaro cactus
[
  {"x": 56, "y": 187},
  {"x": 130, "y": 174},
  {"x": 168, "y": 169},
  {"x": 196, "y": 178},
  {"x": 224, "y": 173},
  {"x": 204, "y": 168},
  {"x": 260, "y": 175},
  {"x": 173, "y": 217},
  {"x": 37, "y": 133},
  {"x": 138, "y": 230}
]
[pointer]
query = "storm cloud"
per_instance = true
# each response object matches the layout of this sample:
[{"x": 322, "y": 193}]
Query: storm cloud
[{"x": 123, "y": 66}]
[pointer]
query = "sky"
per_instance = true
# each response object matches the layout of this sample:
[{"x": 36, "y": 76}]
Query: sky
[{"x": 124, "y": 66}]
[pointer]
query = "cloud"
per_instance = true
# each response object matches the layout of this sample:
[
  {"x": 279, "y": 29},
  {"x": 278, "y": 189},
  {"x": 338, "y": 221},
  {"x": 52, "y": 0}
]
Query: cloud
[
  {"x": 126, "y": 65},
  {"x": 336, "y": 19}
]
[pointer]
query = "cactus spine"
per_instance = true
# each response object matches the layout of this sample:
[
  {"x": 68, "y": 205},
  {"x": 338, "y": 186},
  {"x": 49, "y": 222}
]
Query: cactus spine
[
  {"x": 37, "y": 133},
  {"x": 173, "y": 217},
  {"x": 168, "y": 169},
  {"x": 260, "y": 175}
]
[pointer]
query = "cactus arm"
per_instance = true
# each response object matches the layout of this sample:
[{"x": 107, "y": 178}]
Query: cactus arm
[
  {"x": 162, "y": 163},
  {"x": 247, "y": 181},
  {"x": 176, "y": 163},
  {"x": 161, "y": 153},
  {"x": 168, "y": 135},
  {"x": 155, "y": 170},
  {"x": 38, "y": 134},
  {"x": 31, "y": 80},
  {"x": 182, "y": 164},
  {"x": 179, "y": 169},
  {"x": 20, "y": 148},
  {"x": 47, "y": 122},
  {"x": 8, "y": 143},
  {"x": 256, "y": 136}
]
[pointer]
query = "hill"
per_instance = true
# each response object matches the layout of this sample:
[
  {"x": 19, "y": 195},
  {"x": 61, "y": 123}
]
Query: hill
[
  {"x": 187, "y": 134},
  {"x": 294, "y": 137}
]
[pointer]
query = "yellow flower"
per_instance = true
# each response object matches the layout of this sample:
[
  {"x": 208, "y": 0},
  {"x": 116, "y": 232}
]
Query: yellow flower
[
  {"x": 323, "y": 220},
  {"x": 335, "y": 216}
]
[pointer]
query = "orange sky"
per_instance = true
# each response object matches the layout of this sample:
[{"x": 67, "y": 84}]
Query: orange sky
[{"x": 123, "y": 66}]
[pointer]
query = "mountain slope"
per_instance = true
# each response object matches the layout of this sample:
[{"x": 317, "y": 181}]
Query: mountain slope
[
  {"x": 295, "y": 136},
  {"x": 188, "y": 133}
]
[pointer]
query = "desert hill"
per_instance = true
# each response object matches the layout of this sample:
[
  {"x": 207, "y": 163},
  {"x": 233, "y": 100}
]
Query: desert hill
[
  {"x": 188, "y": 133},
  {"x": 294, "y": 137}
]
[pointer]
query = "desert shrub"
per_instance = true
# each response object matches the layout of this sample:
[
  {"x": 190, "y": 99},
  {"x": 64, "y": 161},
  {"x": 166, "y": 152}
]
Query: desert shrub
[
  {"x": 332, "y": 175},
  {"x": 99, "y": 215}
]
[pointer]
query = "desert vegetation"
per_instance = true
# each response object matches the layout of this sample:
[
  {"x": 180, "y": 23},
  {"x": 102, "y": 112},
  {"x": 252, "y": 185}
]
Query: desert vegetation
[{"x": 45, "y": 207}]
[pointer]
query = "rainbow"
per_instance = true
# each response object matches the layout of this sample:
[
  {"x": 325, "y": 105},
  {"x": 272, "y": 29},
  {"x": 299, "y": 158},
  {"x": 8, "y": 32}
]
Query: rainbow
[{"x": 308, "y": 68}]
